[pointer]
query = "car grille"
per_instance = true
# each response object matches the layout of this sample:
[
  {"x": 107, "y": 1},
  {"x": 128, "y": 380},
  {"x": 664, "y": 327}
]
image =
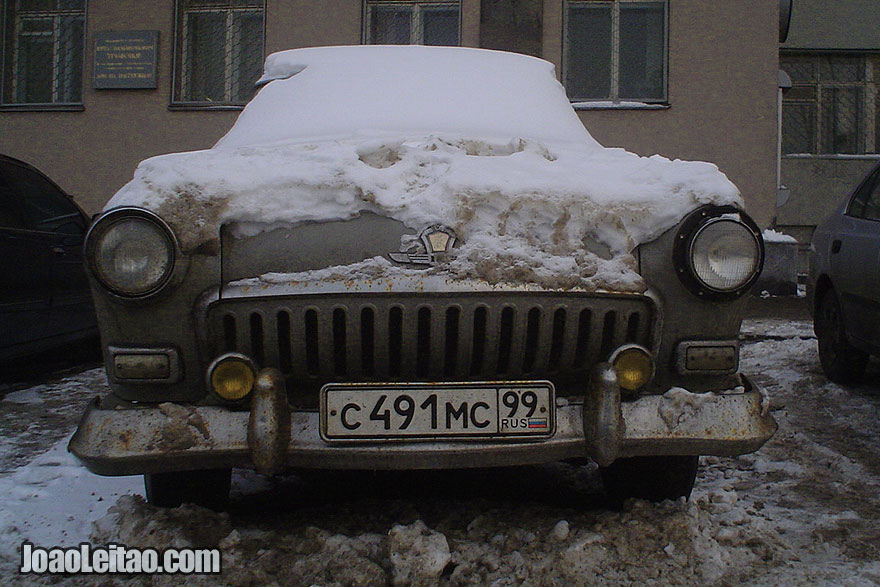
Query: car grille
[{"x": 434, "y": 337}]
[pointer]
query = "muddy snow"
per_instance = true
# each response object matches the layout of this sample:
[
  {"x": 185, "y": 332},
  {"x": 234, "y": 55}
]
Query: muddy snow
[
  {"x": 503, "y": 161},
  {"x": 802, "y": 510}
]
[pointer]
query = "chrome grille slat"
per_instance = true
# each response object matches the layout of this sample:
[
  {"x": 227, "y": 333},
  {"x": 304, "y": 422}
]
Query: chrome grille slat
[
  {"x": 545, "y": 340},
  {"x": 518, "y": 342},
  {"x": 325, "y": 341},
  {"x": 410, "y": 343},
  {"x": 491, "y": 341},
  {"x": 314, "y": 350}
]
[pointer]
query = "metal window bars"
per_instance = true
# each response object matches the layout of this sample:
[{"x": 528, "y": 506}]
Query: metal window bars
[
  {"x": 616, "y": 50},
  {"x": 220, "y": 51},
  {"x": 44, "y": 52},
  {"x": 832, "y": 105}
]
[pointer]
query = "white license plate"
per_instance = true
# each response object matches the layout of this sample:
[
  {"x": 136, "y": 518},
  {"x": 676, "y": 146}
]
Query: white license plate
[{"x": 437, "y": 410}]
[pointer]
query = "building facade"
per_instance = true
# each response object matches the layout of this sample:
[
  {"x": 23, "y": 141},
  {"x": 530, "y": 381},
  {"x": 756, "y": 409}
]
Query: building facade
[
  {"x": 831, "y": 114},
  {"x": 92, "y": 87}
]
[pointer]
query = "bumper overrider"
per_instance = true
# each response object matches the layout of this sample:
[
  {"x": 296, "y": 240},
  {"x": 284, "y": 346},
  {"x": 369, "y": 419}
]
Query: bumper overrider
[{"x": 269, "y": 437}]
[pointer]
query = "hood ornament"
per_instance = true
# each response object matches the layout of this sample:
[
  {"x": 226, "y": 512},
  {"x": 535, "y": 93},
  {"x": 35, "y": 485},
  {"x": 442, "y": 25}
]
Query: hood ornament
[{"x": 432, "y": 244}]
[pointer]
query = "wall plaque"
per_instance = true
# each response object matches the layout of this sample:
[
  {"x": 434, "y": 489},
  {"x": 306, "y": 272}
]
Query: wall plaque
[{"x": 126, "y": 59}]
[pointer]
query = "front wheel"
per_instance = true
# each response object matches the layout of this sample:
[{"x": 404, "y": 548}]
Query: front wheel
[
  {"x": 841, "y": 362},
  {"x": 650, "y": 478},
  {"x": 208, "y": 488}
]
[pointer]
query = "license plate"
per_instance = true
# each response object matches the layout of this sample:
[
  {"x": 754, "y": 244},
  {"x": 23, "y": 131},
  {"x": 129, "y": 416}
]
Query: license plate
[{"x": 441, "y": 410}]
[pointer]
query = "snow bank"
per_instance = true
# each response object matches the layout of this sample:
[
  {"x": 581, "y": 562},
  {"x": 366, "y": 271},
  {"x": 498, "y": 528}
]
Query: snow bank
[
  {"x": 503, "y": 161},
  {"x": 774, "y": 236}
]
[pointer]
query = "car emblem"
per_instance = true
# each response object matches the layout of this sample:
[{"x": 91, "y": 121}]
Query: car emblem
[{"x": 433, "y": 242}]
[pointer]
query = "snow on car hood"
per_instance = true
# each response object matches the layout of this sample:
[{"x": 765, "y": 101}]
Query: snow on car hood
[{"x": 543, "y": 204}]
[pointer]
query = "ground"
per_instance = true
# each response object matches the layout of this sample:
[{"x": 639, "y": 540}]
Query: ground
[{"x": 805, "y": 509}]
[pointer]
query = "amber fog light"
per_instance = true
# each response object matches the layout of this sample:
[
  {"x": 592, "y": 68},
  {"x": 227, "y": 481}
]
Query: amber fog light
[
  {"x": 634, "y": 366},
  {"x": 232, "y": 376}
]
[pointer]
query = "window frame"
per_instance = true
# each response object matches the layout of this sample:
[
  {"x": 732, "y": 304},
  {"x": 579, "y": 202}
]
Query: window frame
[
  {"x": 867, "y": 107},
  {"x": 179, "y": 80},
  {"x": 10, "y": 36},
  {"x": 416, "y": 24},
  {"x": 614, "y": 99}
]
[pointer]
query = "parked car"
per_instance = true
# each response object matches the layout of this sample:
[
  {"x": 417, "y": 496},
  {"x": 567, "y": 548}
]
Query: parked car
[
  {"x": 417, "y": 257},
  {"x": 843, "y": 290},
  {"x": 44, "y": 292}
]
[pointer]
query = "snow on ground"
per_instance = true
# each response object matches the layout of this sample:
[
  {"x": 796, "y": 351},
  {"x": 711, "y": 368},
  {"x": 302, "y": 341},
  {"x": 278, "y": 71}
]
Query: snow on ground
[{"x": 803, "y": 510}]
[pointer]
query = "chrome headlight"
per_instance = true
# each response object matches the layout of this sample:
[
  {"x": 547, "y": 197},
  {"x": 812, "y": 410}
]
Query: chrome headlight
[
  {"x": 131, "y": 252},
  {"x": 719, "y": 252}
]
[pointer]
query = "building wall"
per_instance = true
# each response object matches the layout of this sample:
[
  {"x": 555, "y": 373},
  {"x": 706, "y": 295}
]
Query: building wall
[
  {"x": 722, "y": 95},
  {"x": 816, "y": 186}
]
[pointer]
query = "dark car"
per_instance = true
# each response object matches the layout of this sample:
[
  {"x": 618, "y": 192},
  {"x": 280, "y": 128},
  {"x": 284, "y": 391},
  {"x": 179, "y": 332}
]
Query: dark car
[
  {"x": 844, "y": 287},
  {"x": 44, "y": 292}
]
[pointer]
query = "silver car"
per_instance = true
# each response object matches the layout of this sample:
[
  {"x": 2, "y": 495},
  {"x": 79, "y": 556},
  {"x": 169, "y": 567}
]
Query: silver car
[
  {"x": 843, "y": 290},
  {"x": 417, "y": 258}
]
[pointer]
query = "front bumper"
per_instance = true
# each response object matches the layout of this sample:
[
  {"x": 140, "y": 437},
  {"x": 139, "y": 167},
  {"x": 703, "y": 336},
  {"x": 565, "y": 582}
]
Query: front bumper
[{"x": 173, "y": 437}]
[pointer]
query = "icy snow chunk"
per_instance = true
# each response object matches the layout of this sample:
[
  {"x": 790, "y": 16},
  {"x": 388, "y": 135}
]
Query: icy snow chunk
[
  {"x": 679, "y": 404},
  {"x": 561, "y": 530},
  {"x": 24, "y": 396},
  {"x": 773, "y": 236},
  {"x": 136, "y": 524},
  {"x": 417, "y": 553}
]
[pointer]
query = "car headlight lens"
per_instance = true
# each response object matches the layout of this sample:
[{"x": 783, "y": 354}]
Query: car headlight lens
[
  {"x": 132, "y": 255},
  {"x": 725, "y": 255},
  {"x": 718, "y": 252}
]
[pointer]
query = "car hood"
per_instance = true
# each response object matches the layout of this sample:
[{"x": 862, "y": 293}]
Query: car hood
[{"x": 523, "y": 211}]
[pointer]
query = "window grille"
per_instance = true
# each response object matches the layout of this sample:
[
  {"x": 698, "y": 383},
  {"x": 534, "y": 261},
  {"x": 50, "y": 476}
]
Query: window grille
[
  {"x": 219, "y": 51},
  {"x": 831, "y": 106},
  {"x": 43, "y": 51},
  {"x": 615, "y": 50},
  {"x": 412, "y": 23}
]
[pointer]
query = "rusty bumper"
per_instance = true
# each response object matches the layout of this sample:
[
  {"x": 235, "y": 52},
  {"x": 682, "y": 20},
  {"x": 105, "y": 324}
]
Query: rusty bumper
[{"x": 268, "y": 438}]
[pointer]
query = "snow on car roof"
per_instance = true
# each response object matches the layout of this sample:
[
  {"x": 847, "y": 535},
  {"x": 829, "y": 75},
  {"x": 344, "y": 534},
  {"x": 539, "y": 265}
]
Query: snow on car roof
[{"x": 331, "y": 92}]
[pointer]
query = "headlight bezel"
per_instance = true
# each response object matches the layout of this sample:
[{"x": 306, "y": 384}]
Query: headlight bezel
[
  {"x": 102, "y": 226},
  {"x": 691, "y": 228}
]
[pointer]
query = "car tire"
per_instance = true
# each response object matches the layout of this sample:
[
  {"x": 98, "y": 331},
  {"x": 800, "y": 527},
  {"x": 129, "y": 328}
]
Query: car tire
[
  {"x": 208, "y": 488},
  {"x": 649, "y": 478},
  {"x": 841, "y": 362}
]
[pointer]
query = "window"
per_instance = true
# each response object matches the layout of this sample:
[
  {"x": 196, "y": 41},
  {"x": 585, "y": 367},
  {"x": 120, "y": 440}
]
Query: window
[
  {"x": 615, "y": 50},
  {"x": 43, "y": 51},
  {"x": 831, "y": 106},
  {"x": 512, "y": 25},
  {"x": 866, "y": 201},
  {"x": 219, "y": 51},
  {"x": 412, "y": 23}
]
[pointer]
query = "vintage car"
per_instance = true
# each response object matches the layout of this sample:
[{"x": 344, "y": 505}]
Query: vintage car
[
  {"x": 413, "y": 258},
  {"x": 842, "y": 289}
]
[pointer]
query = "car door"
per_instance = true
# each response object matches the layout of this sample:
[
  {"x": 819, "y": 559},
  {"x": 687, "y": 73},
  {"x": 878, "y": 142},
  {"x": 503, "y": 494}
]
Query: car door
[
  {"x": 25, "y": 272},
  {"x": 53, "y": 214},
  {"x": 855, "y": 261}
]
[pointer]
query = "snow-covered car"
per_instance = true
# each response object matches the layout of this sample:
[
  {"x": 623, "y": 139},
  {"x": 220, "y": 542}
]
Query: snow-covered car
[
  {"x": 842, "y": 290},
  {"x": 417, "y": 257}
]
